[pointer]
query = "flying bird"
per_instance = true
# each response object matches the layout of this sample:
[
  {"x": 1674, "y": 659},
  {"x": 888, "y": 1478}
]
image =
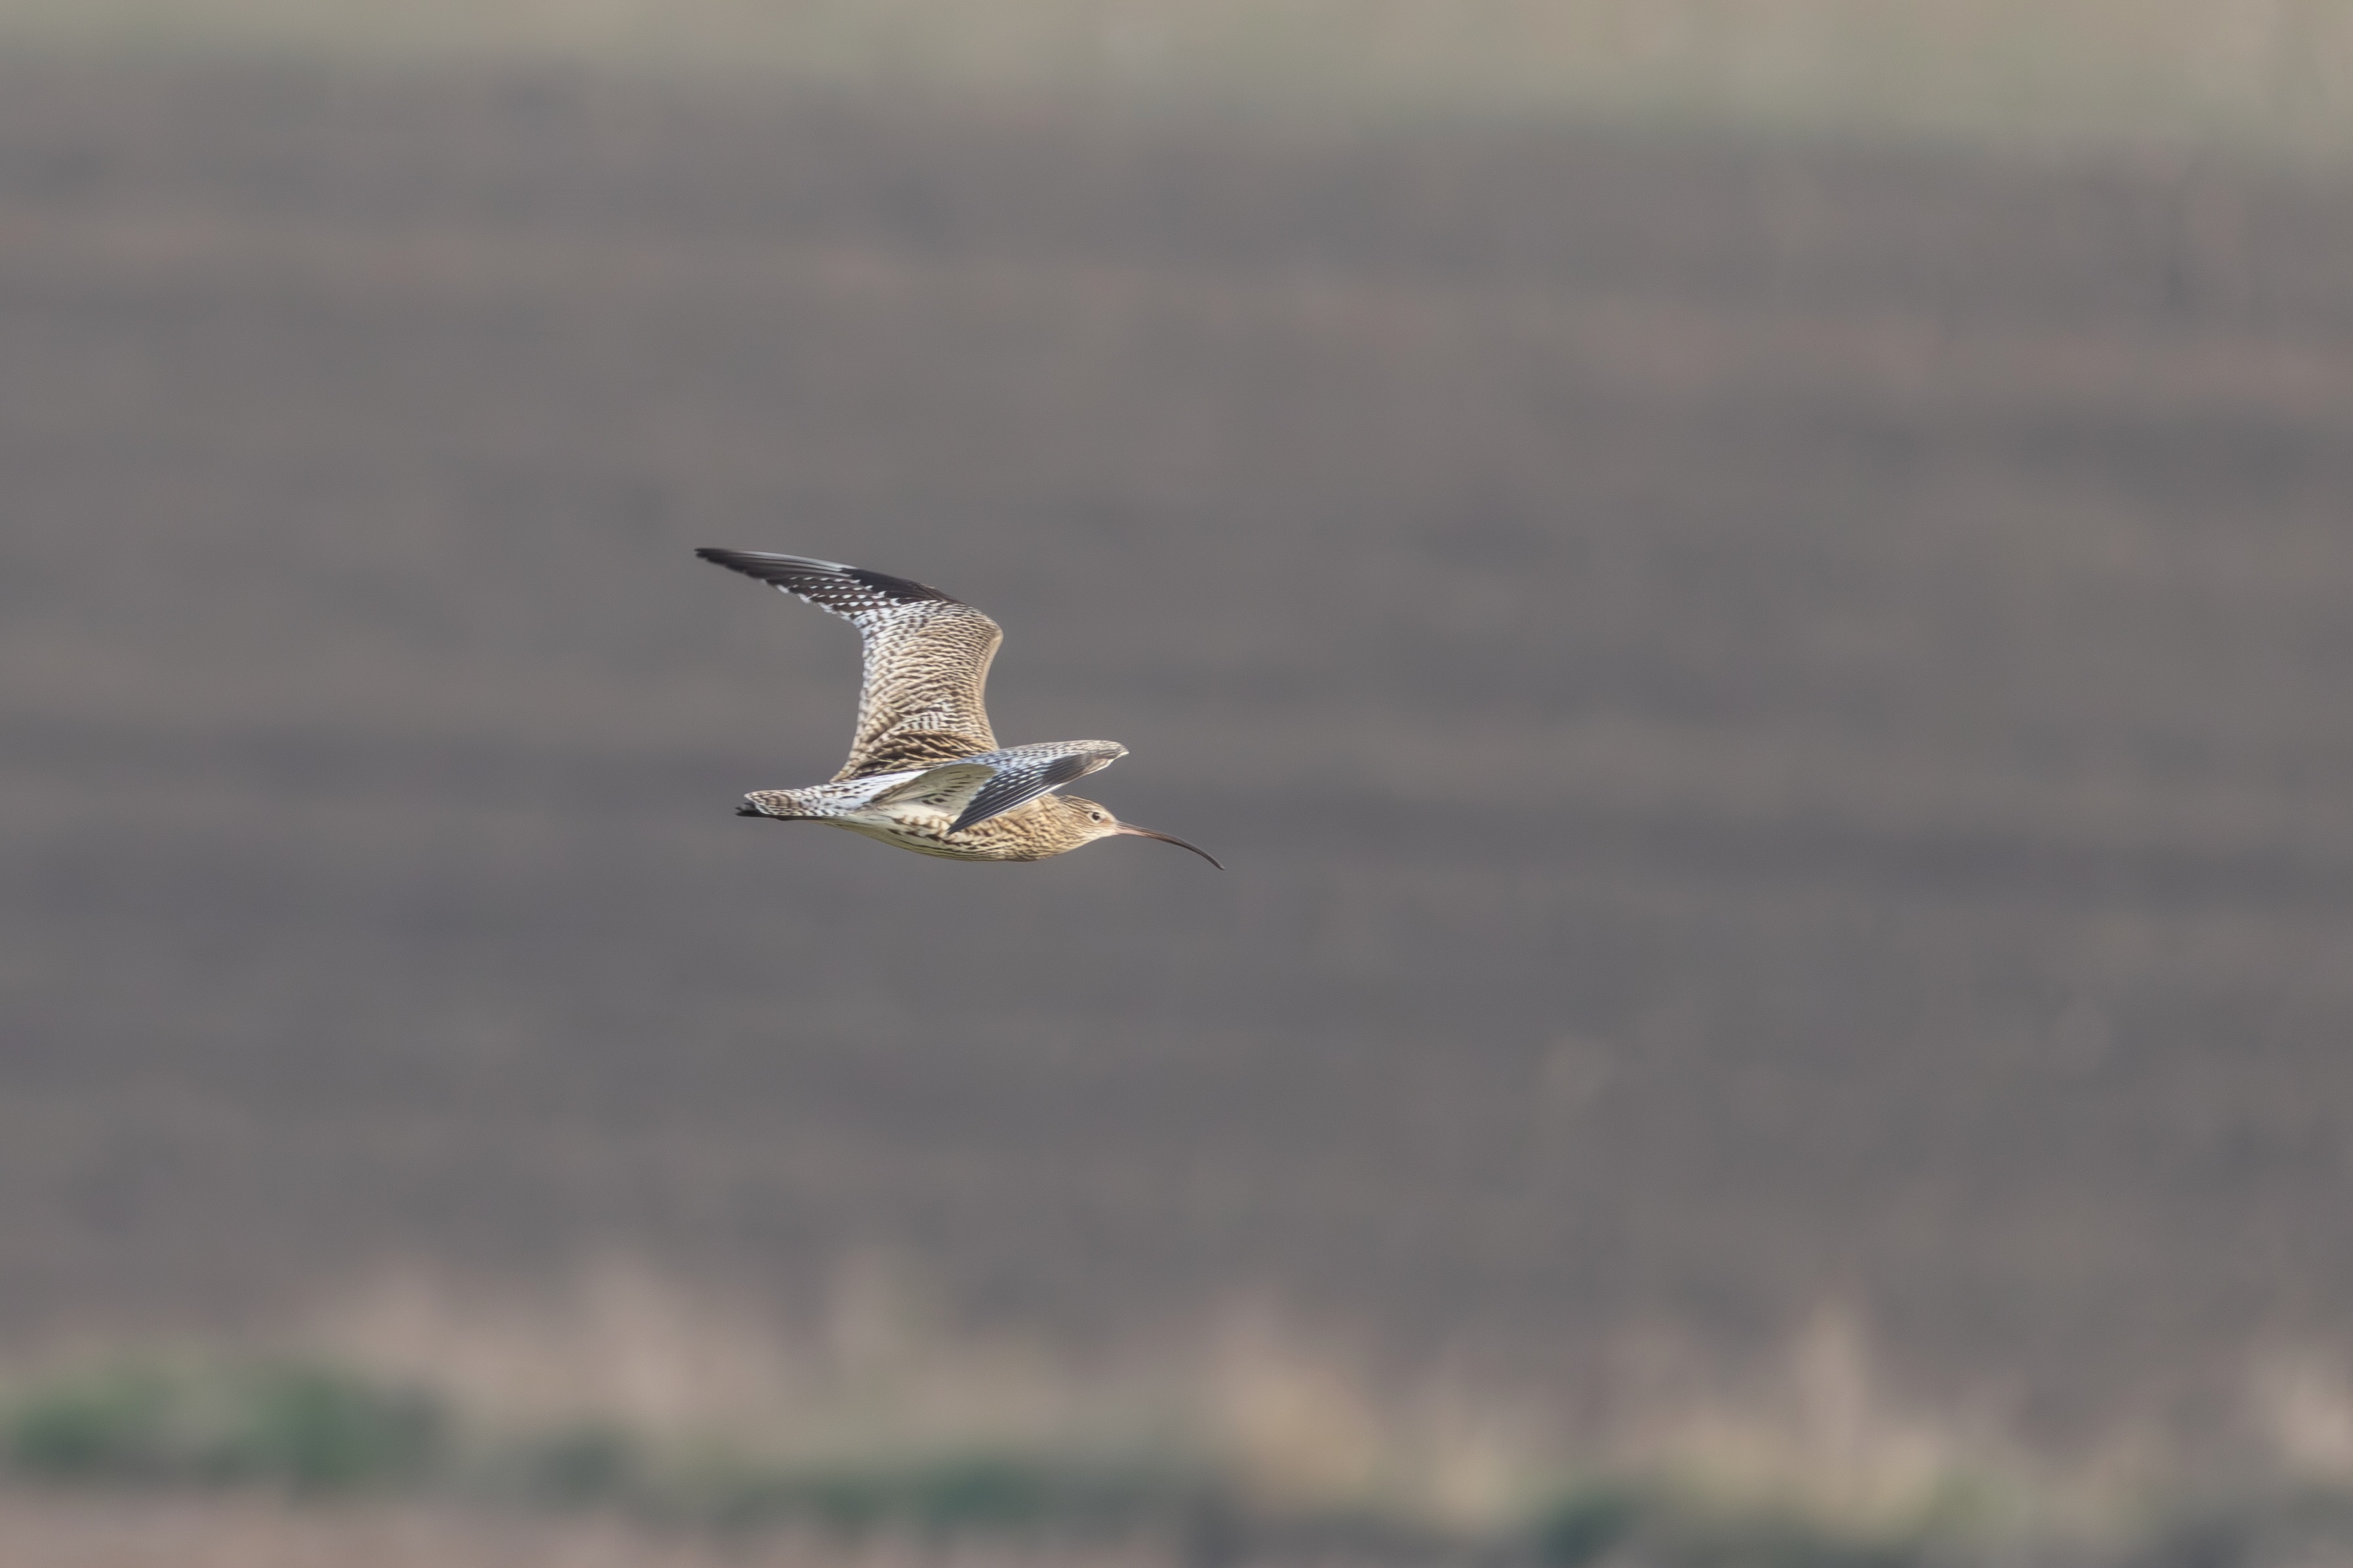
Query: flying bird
[{"x": 925, "y": 771}]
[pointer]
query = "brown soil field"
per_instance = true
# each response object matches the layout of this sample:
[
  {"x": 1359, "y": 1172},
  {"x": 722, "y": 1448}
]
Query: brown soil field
[{"x": 1778, "y": 712}]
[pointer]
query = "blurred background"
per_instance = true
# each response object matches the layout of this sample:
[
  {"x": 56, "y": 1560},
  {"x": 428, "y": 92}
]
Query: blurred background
[{"x": 1755, "y": 596}]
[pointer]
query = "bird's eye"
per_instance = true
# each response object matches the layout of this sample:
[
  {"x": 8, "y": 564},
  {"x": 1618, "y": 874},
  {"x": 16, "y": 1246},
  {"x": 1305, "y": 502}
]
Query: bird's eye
[{"x": 1095, "y": 816}]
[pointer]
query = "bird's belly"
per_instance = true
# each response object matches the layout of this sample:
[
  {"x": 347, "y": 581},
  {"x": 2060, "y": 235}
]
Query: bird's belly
[{"x": 926, "y": 831}]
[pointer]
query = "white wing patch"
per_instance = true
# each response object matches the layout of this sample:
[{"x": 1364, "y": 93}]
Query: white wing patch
[{"x": 947, "y": 789}]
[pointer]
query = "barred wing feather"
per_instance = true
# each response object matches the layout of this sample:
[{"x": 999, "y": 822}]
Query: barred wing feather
[{"x": 927, "y": 658}]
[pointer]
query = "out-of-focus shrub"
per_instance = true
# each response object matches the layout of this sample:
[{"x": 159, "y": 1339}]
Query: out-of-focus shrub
[{"x": 311, "y": 1428}]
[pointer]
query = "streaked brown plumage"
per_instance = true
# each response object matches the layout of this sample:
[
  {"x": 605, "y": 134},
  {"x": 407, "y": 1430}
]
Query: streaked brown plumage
[{"x": 924, "y": 770}]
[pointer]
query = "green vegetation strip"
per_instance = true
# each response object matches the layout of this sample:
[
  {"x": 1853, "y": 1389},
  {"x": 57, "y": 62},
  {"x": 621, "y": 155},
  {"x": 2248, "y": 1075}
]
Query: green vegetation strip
[
  {"x": 316, "y": 1433},
  {"x": 306, "y": 1427}
]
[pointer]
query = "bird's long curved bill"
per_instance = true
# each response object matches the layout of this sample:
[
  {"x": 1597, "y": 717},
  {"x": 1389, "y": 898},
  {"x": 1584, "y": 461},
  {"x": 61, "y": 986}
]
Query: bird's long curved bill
[{"x": 1170, "y": 838}]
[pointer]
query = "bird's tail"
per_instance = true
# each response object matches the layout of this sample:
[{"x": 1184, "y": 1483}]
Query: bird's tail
[{"x": 780, "y": 802}]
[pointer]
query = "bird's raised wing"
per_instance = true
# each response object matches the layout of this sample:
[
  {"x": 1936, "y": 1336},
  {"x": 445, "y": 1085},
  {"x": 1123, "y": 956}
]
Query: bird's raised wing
[{"x": 926, "y": 659}]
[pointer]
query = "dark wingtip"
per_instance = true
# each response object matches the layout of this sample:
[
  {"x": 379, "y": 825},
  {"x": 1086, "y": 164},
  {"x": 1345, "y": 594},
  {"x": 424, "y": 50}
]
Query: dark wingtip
[
  {"x": 807, "y": 575},
  {"x": 750, "y": 561},
  {"x": 747, "y": 809}
]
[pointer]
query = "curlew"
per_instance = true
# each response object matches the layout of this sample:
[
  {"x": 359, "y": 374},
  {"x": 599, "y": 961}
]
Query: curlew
[{"x": 925, "y": 771}]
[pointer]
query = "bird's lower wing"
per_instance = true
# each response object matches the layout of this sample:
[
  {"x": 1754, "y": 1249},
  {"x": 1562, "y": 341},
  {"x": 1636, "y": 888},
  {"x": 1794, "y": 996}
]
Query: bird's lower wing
[
  {"x": 1025, "y": 779},
  {"x": 978, "y": 788},
  {"x": 927, "y": 658},
  {"x": 949, "y": 788}
]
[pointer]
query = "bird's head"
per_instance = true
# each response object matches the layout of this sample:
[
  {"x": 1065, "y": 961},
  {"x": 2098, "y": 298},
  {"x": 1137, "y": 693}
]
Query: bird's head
[{"x": 1095, "y": 821}]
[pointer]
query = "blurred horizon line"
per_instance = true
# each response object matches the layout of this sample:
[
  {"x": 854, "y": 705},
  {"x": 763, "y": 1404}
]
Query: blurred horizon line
[{"x": 2253, "y": 79}]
